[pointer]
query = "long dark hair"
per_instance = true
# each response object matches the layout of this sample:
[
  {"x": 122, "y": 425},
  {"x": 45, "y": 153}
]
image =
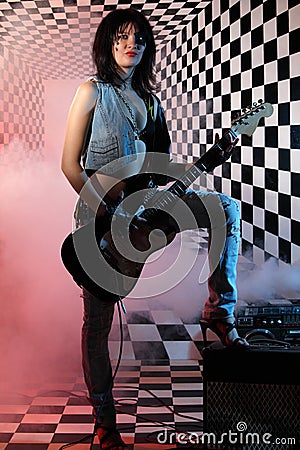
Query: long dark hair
[{"x": 143, "y": 80}]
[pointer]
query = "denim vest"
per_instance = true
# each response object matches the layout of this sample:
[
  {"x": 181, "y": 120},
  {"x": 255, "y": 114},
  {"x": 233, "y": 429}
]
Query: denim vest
[{"x": 111, "y": 135}]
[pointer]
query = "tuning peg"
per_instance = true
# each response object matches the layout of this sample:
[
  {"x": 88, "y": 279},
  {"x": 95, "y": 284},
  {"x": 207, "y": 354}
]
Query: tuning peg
[
  {"x": 260, "y": 100},
  {"x": 254, "y": 104},
  {"x": 244, "y": 110}
]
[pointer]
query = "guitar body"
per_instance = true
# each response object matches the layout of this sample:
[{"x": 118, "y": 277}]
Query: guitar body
[
  {"x": 73, "y": 265},
  {"x": 111, "y": 250},
  {"x": 107, "y": 259}
]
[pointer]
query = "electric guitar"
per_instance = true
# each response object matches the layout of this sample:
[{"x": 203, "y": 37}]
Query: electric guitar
[{"x": 107, "y": 255}]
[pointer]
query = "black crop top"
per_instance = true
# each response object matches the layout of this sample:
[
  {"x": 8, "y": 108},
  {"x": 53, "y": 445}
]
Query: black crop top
[{"x": 156, "y": 137}]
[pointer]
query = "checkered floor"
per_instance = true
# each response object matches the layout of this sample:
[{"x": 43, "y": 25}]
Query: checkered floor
[
  {"x": 158, "y": 385},
  {"x": 151, "y": 397}
]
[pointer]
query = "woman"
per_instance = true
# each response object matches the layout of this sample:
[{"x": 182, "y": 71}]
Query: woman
[{"x": 115, "y": 114}]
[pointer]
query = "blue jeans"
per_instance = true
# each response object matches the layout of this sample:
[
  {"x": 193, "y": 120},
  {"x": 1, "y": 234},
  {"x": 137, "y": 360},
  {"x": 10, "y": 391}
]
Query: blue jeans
[
  {"x": 97, "y": 321},
  {"x": 220, "y": 214}
]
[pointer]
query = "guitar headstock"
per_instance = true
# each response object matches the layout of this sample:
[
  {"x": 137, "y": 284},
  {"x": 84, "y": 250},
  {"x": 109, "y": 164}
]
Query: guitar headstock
[{"x": 247, "y": 123}]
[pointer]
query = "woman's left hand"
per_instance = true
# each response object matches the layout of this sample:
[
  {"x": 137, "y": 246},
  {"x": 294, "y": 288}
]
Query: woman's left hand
[
  {"x": 231, "y": 143},
  {"x": 217, "y": 155}
]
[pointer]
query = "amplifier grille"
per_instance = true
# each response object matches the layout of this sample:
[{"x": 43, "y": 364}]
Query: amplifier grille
[{"x": 263, "y": 408}]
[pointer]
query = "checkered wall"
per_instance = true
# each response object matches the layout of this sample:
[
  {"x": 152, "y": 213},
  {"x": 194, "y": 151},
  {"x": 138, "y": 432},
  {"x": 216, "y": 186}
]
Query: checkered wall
[
  {"x": 232, "y": 54},
  {"x": 55, "y": 36},
  {"x": 21, "y": 111},
  {"x": 214, "y": 58},
  {"x": 51, "y": 39}
]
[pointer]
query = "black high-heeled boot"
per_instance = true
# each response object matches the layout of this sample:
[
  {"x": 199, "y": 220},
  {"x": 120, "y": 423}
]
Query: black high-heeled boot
[
  {"x": 109, "y": 437},
  {"x": 226, "y": 331}
]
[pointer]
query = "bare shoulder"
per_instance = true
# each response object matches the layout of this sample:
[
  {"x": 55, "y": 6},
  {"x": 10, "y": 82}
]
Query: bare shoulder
[
  {"x": 87, "y": 94},
  {"x": 90, "y": 87}
]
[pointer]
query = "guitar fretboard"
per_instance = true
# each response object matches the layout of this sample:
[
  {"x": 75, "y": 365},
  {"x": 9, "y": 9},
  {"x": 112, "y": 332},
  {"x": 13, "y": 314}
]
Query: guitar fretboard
[{"x": 179, "y": 187}]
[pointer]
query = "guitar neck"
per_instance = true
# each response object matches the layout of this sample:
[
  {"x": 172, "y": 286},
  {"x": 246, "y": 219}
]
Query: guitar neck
[
  {"x": 180, "y": 186},
  {"x": 245, "y": 124}
]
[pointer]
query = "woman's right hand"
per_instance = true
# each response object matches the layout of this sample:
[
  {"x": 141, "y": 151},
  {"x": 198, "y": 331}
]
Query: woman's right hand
[
  {"x": 113, "y": 196},
  {"x": 101, "y": 211},
  {"x": 117, "y": 192}
]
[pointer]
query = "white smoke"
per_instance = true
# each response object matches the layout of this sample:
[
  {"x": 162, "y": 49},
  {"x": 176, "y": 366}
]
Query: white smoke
[{"x": 273, "y": 279}]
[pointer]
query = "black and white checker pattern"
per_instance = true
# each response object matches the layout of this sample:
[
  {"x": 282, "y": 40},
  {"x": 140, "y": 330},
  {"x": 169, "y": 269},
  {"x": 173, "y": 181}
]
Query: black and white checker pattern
[
  {"x": 215, "y": 58},
  {"x": 158, "y": 329},
  {"x": 212, "y": 61},
  {"x": 58, "y": 413},
  {"x": 232, "y": 54},
  {"x": 161, "y": 353},
  {"x": 21, "y": 111},
  {"x": 48, "y": 34}
]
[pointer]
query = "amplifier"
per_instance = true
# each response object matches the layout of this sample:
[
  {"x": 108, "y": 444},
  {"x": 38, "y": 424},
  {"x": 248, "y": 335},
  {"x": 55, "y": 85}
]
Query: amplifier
[
  {"x": 251, "y": 398},
  {"x": 272, "y": 319}
]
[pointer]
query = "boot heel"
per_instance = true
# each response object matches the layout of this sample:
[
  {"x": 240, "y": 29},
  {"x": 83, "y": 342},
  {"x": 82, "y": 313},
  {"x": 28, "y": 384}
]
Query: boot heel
[
  {"x": 226, "y": 331},
  {"x": 204, "y": 327}
]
